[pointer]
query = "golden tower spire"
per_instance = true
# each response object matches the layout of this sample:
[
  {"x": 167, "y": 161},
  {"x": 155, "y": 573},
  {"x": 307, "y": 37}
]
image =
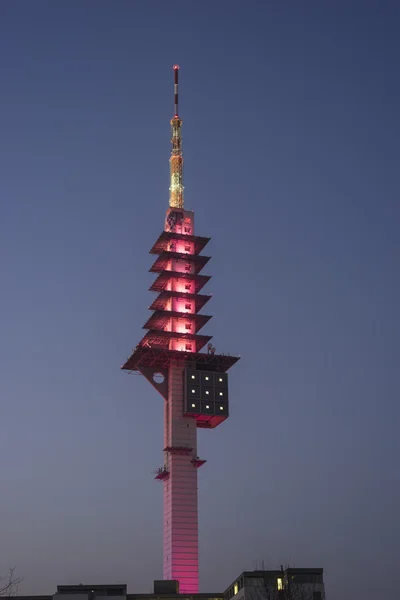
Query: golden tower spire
[{"x": 176, "y": 159}]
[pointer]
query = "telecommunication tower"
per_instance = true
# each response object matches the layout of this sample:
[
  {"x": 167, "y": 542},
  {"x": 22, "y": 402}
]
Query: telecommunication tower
[{"x": 194, "y": 384}]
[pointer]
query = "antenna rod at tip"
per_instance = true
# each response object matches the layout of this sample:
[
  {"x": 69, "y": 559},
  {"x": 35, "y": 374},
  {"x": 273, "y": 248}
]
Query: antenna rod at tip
[{"x": 176, "y": 71}]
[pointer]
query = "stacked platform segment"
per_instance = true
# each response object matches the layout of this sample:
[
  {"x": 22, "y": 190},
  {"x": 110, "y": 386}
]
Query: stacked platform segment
[{"x": 193, "y": 383}]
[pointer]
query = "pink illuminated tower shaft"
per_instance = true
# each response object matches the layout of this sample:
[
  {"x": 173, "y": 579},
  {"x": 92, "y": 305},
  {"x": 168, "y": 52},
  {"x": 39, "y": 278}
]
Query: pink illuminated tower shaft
[
  {"x": 181, "y": 555},
  {"x": 194, "y": 384}
]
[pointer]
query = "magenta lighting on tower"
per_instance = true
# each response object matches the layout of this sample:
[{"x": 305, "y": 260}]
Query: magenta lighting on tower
[{"x": 171, "y": 356}]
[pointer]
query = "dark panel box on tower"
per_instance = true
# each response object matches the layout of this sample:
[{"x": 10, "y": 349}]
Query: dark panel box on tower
[{"x": 206, "y": 396}]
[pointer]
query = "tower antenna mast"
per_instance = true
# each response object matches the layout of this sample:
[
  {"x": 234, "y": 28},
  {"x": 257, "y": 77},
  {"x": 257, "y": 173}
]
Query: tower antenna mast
[{"x": 176, "y": 159}]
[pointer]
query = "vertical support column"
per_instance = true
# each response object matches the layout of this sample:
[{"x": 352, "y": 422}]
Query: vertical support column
[{"x": 181, "y": 555}]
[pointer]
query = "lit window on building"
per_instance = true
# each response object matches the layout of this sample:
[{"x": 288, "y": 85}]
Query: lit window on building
[
  {"x": 206, "y": 378},
  {"x": 193, "y": 406},
  {"x": 207, "y": 406},
  {"x": 279, "y": 583},
  {"x": 193, "y": 376},
  {"x": 193, "y": 391},
  {"x": 235, "y": 589},
  {"x": 221, "y": 393},
  {"x": 221, "y": 408},
  {"x": 207, "y": 392}
]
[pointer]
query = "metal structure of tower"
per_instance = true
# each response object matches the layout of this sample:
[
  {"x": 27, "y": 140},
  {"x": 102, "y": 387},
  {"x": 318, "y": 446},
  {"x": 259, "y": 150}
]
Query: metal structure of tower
[{"x": 194, "y": 384}]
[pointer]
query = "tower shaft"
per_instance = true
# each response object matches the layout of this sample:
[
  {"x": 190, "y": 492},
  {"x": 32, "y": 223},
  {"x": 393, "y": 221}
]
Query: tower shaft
[{"x": 180, "y": 489}]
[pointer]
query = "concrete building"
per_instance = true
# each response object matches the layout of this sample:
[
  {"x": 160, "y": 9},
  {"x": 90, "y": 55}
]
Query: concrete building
[
  {"x": 283, "y": 584},
  {"x": 163, "y": 590}
]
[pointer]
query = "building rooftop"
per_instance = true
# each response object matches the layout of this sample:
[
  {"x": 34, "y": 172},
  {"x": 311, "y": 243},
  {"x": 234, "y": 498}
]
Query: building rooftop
[
  {"x": 114, "y": 589},
  {"x": 312, "y": 575}
]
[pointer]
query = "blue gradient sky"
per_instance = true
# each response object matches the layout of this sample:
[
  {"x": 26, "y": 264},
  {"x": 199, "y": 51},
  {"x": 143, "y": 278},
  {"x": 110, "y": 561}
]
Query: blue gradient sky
[{"x": 291, "y": 139}]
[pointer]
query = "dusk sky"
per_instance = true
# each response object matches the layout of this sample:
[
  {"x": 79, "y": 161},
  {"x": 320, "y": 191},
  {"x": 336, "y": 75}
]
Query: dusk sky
[{"x": 291, "y": 144}]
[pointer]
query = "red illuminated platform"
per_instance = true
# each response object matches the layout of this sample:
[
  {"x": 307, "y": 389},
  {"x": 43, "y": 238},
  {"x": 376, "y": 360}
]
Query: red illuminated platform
[
  {"x": 198, "y": 462},
  {"x": 161, "y": 339},
  {"x": 209, "y": 421},
  {"x": 162, "y": 299},
  {"x": 164, "y": 241},
  {"x": 161, "y": 474},
  {"x": 158, "y": 358},
  {"x": 165, "y": 278},
  {"x": 161, "y": 262},
  {"x": 178, "y": 449},
  {"x": 161, "y": 317}
]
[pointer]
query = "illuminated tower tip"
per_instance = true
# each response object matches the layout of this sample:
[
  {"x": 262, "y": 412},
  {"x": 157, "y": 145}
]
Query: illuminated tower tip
[{"x": 176, "y": 160}]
